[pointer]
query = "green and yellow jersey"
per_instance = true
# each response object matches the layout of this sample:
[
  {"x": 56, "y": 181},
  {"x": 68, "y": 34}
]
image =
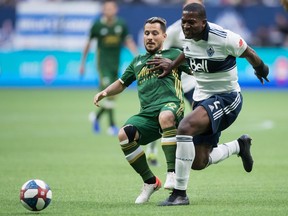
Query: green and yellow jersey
[{"x": 153, "y": 91}]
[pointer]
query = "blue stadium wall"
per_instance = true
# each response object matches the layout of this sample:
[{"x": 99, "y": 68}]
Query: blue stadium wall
[{"x": 60, "y": 68}]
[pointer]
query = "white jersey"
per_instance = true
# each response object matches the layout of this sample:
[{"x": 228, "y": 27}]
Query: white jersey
[
  {"x": 213, "y": 61},
  {"x": 175, "y": 38}
]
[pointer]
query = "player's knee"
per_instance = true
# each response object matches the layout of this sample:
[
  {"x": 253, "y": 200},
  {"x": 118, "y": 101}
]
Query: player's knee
[
  {"x": 128, "y": 132},
  {"x": 166, "y": 118},
  {"x": 185, "y": 129},
  {"x": 188, "y": 127}
]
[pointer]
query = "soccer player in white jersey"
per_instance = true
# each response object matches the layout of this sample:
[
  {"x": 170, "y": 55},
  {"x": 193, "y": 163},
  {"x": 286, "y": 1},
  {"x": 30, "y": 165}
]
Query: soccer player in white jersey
[{"x": 217, "y": 97}]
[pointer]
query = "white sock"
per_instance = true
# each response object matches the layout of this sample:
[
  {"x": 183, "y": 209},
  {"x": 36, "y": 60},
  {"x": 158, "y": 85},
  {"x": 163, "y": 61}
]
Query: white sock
[
  {"x": 185, "y": 154},
  {"x": 223, "y": 151}
]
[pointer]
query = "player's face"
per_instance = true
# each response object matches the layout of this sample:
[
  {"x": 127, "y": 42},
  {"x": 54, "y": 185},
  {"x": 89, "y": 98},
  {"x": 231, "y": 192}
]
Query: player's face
[
  {"x": 192, "y": 25},
  {"x": 153, "y": 37},
  {"x": 110, "y": 9}
]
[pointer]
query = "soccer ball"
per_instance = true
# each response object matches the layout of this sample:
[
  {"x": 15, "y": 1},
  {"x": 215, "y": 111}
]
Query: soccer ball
[{"x": 35, "y": 195}]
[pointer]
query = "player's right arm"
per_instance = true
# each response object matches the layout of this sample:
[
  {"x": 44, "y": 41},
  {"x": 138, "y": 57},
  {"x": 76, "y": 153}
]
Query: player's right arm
[
  {"x": 84, "y": 56},
  {"x": 113, "y": 89}
]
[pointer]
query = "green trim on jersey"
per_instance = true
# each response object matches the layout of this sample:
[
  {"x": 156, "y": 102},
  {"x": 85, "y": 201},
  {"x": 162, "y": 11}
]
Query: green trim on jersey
[
  {"x": 110, "y": 39},
  {"x": 153, "y": 91}
]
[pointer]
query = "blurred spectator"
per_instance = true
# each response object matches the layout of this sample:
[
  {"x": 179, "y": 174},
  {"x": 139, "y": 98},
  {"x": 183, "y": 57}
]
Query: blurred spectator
[
  {"x": 275, "y": 35},
  {"x": 285, "y": 4},
  {"x": 282, "y": 27},
  {"x": 8, "y": 2},
  {"x": 6, "y": 32},
  {"x": 234, "y": 21}
]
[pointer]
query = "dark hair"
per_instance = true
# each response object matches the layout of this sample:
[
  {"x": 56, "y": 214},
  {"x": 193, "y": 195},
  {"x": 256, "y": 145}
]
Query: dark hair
[
  {"x": 113, "y": 1},
  {"x": 159, "y": 20},
  {"x": 195, "y": 7}
]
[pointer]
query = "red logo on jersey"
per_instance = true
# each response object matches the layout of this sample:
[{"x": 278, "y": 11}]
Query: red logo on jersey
[{"x": 240, "y": 43}]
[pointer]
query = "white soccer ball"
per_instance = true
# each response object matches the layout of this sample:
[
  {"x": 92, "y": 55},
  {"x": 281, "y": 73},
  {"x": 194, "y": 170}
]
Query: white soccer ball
[{"x": 35, "y": 195}]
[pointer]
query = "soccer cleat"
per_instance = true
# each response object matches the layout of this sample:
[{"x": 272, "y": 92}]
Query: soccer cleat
[
  {"x": 96, "y": 126},
  {"x": 113, "y": 130},
  {"x": 152, "y": 159},
  {"x": 170, "y": 181},
  {"x": 245, "y": 154},
  {"x": 174, "y": 200},
  {"x": 147, "y": 191}
]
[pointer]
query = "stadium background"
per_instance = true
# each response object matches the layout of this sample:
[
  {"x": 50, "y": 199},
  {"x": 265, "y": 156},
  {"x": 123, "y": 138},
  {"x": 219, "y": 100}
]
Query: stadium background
[
  {"x": 41, "y": 41},
  {"x": 45, "y": 132}
]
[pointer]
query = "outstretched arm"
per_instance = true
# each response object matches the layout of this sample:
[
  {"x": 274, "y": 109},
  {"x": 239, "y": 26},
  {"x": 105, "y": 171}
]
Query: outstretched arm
[
  {"x": 261, "y": 69},
  {"x": 113, "y": 89},
  {"x": 84, "y": 56},
  {"x": 165, "y": 65}
]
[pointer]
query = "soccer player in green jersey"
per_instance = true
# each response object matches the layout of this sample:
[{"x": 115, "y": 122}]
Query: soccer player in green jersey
[
  {"x": 111, "y": 34},
  {"x": 161, "y": 108}
]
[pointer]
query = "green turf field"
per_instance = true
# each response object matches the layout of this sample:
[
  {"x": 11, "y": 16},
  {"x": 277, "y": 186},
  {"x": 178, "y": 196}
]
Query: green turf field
[{"x": 46, "y": 134}]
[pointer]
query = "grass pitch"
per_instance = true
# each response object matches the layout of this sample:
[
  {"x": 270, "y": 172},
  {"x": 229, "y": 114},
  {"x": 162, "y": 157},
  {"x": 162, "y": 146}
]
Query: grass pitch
[{"x": 45, "y": 134}]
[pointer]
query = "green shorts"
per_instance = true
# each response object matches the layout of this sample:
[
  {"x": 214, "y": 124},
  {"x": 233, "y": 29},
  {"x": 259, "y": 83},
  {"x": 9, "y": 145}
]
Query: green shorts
[{"x": 147, "y": 122}]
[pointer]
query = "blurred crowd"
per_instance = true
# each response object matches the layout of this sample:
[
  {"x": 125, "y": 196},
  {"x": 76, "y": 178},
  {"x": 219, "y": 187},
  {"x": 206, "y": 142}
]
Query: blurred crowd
[
  {"x": 264, "y": 35},
  {"x": 208, "y": 2}
]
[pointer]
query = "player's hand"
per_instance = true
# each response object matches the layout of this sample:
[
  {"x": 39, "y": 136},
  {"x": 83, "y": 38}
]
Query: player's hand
[
  {"x": 99, "y": 97},
  {"x": 159, "y": 63},
  {"x": 262, "y": 72}
]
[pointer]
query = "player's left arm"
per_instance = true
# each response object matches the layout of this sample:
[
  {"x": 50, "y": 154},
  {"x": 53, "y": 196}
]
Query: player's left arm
[
  {"x": 113, "y": 89},
  {"x": 261, "y": 69}
]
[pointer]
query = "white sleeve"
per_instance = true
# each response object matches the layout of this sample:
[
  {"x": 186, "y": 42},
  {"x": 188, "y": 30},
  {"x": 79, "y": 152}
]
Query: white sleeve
[
  {"x": 235, "y": 45},
  {"x": 173, "y": 36}
]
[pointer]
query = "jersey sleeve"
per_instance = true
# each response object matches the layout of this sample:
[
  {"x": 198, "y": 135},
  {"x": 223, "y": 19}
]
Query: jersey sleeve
[
  {"x": 173, "y": 39},
  {"x": 93, "y": 31},
  {"x": 235, "y": 45},
  {"x": 128, "y": 76}
]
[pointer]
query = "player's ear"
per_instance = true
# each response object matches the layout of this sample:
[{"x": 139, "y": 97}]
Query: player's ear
[{"x": 165, "y": 35}]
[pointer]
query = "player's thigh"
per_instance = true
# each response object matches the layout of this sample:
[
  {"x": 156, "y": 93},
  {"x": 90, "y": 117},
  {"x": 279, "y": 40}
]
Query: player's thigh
[
  {"x": 147, "y": 127},
  {"x": 222, "y": 109},
  {"x": 177, "y": 110},
  {"x": 196, "y": 122}
]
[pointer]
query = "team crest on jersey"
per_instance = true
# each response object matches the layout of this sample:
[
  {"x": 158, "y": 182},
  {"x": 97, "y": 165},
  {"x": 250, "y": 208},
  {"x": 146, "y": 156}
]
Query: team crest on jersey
[
  {"x": 104, "y": 31},
  {"x": 210, "y": 51},
  {"x": 118, "y": 29}
]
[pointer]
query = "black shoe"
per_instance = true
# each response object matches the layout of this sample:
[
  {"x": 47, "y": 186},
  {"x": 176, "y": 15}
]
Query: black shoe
[
  {"x": 245, "y": 154},
  {"x": 174, "y": 199}
]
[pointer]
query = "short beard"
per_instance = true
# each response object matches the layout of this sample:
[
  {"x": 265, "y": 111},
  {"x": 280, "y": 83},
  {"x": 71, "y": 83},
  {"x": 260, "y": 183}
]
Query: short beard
[{"x": 156, "y": 49}]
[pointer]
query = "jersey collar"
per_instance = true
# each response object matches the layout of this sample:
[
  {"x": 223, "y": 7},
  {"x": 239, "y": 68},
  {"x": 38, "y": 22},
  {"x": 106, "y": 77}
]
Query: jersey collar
[{"x": 206, "y": 32}]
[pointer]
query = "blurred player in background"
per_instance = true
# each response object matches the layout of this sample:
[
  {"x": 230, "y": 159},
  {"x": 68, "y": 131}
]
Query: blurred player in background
[
  {"x": 111, "y": 34},
  {"x": 212, "y": 55},
  {"x": 162, "y": 108}
]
